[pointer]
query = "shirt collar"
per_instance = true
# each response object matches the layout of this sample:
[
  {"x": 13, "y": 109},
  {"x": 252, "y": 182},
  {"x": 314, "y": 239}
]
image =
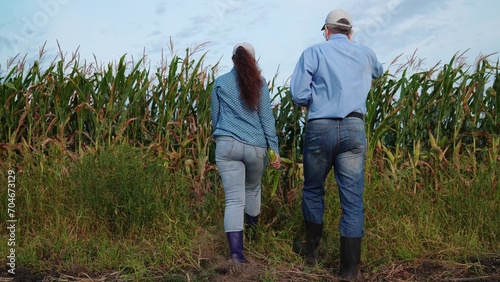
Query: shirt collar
[{"x": 337, "y": 36}]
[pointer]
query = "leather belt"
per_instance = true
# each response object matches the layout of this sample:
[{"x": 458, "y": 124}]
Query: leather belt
[
  {"x": 353, "y": 114},
  {"x": 356, "y": 115}
]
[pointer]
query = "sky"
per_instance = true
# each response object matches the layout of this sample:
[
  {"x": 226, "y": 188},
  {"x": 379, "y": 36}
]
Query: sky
[{"x": 433, "y": 30}]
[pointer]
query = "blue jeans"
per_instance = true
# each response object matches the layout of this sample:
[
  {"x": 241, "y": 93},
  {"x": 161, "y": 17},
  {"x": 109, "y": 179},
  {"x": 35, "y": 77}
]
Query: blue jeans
[
  {"x": 241, "y": 167},
  {"x": 341, "y": 144}
]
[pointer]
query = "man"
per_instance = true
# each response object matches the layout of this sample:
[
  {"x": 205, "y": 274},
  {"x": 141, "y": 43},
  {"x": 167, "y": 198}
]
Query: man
[{"x": 332, "y": 79}]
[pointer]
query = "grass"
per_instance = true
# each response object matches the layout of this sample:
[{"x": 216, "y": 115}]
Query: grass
[
  {"x": 115, "y": 172},
  {"x": 120, "y": 209}
]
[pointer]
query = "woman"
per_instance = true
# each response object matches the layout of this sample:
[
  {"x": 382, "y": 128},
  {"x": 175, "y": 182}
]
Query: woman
[{"x": 244, "y": 129}]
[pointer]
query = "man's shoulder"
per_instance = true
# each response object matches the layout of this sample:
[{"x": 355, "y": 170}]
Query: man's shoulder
[
  {"x": 362, "y": 46},
  {"x": 318, "y": 45},
  {"x": 315, "y": 47}
]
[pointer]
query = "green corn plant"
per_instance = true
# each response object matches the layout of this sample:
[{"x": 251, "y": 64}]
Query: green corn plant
[
  {"x": 13, "y": 102},
  {"x": 290, "y": 121},
  {"x": 428, "y": 116},
  {"x": 493, "y": 118}
]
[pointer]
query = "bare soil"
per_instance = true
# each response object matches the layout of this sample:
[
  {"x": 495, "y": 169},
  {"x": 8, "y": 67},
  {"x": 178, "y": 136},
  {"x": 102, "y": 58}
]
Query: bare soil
[
  {"x": 214, "y": 266},
  {"x": 220, "y": 269}
]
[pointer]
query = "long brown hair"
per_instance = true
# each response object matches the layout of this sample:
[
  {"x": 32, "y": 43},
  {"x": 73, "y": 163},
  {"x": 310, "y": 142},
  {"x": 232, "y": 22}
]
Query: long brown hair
[{"x": 249, "y": 79}]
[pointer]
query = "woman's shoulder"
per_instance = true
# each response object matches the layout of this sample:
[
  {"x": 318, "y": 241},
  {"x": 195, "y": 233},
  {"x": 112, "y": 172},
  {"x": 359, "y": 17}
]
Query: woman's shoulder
[{"x": 228, "y": 76}]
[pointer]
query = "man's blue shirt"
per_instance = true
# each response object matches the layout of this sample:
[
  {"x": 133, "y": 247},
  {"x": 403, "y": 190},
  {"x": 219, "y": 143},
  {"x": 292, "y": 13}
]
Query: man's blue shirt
[{"x": 333, "y": 78}]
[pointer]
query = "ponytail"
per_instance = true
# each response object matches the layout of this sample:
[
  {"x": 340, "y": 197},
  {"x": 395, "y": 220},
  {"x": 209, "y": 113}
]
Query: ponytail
[{"x": 249, "y": 79}]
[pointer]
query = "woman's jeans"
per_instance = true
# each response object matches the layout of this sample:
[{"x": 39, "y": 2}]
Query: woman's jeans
[
  {"x": 241, "y": 167},
  {"x": 340, "y": 143}
]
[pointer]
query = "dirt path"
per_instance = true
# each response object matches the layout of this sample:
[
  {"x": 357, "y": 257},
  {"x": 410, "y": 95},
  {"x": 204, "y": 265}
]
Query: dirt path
[{"x": 487, "y": 269}]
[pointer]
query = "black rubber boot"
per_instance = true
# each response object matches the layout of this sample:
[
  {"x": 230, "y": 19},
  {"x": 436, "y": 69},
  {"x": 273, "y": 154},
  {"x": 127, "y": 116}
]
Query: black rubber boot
[
  {"x": 310, "y": 247},
  {"x": 235, "y": 240},
  {"x": 350, "y": 259},
  {"x": 251, "y": 227}
]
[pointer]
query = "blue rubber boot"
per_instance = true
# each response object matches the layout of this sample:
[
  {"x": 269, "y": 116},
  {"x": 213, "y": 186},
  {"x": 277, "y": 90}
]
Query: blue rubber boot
[
  {"x": 235, "y": 240},
  {"x": 251, "y": 226}
]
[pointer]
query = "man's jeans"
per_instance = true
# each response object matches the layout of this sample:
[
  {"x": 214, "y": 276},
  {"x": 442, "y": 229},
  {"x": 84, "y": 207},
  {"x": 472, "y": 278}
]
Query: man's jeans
[
  {"x": 241, "y": 167},
  {"x": 342, "y": 144}
]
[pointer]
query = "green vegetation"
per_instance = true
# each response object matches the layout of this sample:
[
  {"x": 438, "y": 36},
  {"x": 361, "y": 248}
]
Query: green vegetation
[{"x": 115, "y": 170}]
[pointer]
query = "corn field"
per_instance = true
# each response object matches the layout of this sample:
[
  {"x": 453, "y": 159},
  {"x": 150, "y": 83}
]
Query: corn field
[
  {"x": 421, "y": 120},
  {"x": 116, "y": 171}
]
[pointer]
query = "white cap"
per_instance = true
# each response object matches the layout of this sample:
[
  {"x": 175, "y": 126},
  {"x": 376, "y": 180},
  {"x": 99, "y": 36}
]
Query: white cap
[
  {"x": 336, "y": 15},
  {"x": 247, "y": 47}
]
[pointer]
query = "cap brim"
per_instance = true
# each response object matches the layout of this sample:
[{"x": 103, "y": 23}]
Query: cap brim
[{"x": 323, "y": 28}]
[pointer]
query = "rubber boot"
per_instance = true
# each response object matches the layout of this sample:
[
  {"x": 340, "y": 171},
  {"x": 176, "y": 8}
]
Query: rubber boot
[
  {"x": 235, "y": 240},
  {"x": 310, "y": 247},
  {"x": 251, "y": 226},
  {"x": 350, "y": 259}
]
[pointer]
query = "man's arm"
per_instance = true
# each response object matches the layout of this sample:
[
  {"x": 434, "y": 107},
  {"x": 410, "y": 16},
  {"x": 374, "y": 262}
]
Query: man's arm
[
  {"x": 378, "y": 70},
  {"x": 300, "y": 85}
]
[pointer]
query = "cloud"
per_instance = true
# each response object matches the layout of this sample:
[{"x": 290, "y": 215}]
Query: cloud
[
  {"x": 280, "y": 30},
  {"x": 161, "y": 9}
]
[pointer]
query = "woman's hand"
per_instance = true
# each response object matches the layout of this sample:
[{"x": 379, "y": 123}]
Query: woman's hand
[{"x": 276, "y": 163}]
